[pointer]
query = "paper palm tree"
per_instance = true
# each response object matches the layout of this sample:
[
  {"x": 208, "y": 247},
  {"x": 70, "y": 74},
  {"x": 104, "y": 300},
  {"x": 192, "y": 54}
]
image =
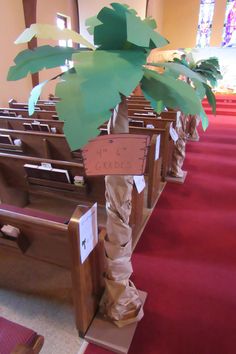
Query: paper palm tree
[
  {"x": 208, "y": 69},
  {"x": 99, "y": 81}
]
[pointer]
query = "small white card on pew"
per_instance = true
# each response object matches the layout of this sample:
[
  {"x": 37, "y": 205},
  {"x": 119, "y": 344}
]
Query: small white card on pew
[
  {"x": 157, "y": 151},
  {"x": 46, "y": 165},
  {"x": 139, "y": 183},
  {"x": 88, "y": 229},
  {"x": 173, "y": 133}
]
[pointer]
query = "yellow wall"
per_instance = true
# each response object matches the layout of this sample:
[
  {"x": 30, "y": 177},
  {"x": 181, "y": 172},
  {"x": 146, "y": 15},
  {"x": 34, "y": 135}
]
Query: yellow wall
[
  {"x": 218, "y": 22},
  {"x": 11, "y": 25},
  {"x": 89, "y": 8},
  {"x": 46, "y": 13},
  {"x": 179, "y": 20},
  {"x": 155, "y": 9}
]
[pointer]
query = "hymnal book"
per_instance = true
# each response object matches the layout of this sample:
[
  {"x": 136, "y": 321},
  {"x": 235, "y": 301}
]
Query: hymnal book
[
  {"x": 27, "y": 126},
  {"x": 136, "y": 123},
  {"x": 44, "y": 128},
  {"x": 31, "y": 170},
  {"x": 7, "y": 113},
  {"x": 60, "y": 175},
  {"x": 41, "y": 172},
  {"x": 35, "y": 126},
  {"x": 6, "y": 139}
]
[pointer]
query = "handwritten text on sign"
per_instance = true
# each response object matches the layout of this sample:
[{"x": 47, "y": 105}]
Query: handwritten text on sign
[{"x": 116, "y": 154}]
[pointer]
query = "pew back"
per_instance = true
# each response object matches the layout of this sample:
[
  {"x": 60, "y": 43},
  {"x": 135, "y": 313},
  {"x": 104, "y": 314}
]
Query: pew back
[
  {"x": 38, "y": 144},
  {"x": 16, "y": 123},
  {"x": 40, "y": 114}
]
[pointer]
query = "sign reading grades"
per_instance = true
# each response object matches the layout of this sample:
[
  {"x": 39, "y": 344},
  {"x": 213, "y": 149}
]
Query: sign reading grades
[{"x": 116, "y": 154}]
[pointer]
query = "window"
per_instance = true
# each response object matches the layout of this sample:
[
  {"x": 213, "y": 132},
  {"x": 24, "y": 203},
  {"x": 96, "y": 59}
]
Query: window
[
  {"x": 64, "y": 22},
  {"x": 229, "y": 32},
  {"x": 205, "y": 23}
]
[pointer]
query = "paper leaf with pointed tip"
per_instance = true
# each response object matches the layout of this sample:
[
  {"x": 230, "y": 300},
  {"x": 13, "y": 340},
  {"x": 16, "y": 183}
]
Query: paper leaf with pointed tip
[
  {"x": 92, "y": 22},
  {"x": 111, "y": 33},
  {"x": 88, "y": 94},
  {"x": 180, "y": 69},
  {"x": 45, "y": 31},
  {"x": 174, "y": 93},
  {"x": 150, "y": 22},
  {"x": 204, "y": 120},
  {"x": 121, "y": 28},
  {"x": 141, "y": 34},
  {"x": 130, "y": 9},
  {"x": 211, "y": 98},
  {"x": 32, "y": 61},
  {"x": 150, "y": 99},
  {"x": 34, "y": 96},
  {"x": 199, "y": 88},
  {"x": 160, "y": 107}
]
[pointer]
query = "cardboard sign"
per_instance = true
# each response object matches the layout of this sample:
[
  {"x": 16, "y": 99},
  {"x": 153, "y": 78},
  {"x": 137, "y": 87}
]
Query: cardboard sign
[
  {"x": 88, "y": 229},
  {"x": 116, "y": 154}
]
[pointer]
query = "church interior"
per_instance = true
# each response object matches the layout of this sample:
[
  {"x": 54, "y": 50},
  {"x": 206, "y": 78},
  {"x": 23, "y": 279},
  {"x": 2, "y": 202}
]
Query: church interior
[{"x": 117, "y": 177}]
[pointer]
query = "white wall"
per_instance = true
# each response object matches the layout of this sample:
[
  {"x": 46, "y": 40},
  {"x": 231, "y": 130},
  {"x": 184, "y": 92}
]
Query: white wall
[{"x": 89, "y": 8}]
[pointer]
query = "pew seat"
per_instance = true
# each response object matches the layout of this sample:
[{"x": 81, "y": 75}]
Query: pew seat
[{"x": 17, "y": 339}]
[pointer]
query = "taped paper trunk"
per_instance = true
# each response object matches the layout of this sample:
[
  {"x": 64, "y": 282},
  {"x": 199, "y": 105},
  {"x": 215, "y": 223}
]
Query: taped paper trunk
[{"x": 120, "y": 303}]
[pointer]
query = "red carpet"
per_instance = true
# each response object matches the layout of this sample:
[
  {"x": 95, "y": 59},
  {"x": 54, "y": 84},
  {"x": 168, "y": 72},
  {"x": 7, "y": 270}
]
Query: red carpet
[{"x": 186, "y": 258}]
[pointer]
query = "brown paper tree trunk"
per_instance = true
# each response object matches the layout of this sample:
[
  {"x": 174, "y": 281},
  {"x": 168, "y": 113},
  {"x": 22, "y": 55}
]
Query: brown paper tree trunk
[
  {"x": 179, "y": 148},
  {"x": 191, "y": 131},
  {"x": 120, "y": 303}
]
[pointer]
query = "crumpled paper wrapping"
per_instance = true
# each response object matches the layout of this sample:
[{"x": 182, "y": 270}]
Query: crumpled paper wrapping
[
  {"x": 191, "y": 127},
  {"x": 179, "y": 148},
  {"x": 120, "y": 302}
]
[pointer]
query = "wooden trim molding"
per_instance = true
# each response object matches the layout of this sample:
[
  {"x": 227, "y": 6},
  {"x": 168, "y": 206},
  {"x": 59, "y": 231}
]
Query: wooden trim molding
[
  {"x": 30, "y": 14},
  {"x": 146, "y": 12}
]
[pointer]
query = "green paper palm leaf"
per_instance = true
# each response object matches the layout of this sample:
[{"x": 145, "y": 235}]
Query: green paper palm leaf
[
  {"x": 173, "y": 93},
  {"x": 179, "y": 69},
  {"x": 133, "y": 32},
  {"x": 32, "y": 61},
  {"x": 34, "y": 96},
  {"x": 204, "y": 120},
  {"x": 45, "y": 31},
  {"x": 88, "y": 95},
  {"x": 211, "y": 98}
]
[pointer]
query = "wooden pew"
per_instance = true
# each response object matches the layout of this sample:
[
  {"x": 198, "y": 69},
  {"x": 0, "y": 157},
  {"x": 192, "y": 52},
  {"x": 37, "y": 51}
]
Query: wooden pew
[
  {"x": 47, "y": 106},
  {"x": 24, "y": 124},
  {"x": 40, "y": 114},
  {"x": 164, "y": 147},
  {"x": 46, "y": 212},
  {"x": 169, "y": 115},
  {"x": 166, "y": 142},
  {"x": 38, "y": 144},
  {"x": 20, "y": 187},
  {"x": 51, "y": 240},
  {"x": 153, "y": 166},
  {"x": 140, "y": 106}
]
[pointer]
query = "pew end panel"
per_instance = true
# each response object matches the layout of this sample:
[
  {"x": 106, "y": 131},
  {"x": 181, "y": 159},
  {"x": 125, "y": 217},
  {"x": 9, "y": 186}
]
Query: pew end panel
[
  {"x": 58, "y": 243},
  {"x": 87, "y": 278}
]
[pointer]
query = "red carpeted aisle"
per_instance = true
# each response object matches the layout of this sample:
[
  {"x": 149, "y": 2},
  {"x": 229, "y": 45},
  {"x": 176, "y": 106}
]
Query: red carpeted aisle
[{"x": 186, "y": 258}]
